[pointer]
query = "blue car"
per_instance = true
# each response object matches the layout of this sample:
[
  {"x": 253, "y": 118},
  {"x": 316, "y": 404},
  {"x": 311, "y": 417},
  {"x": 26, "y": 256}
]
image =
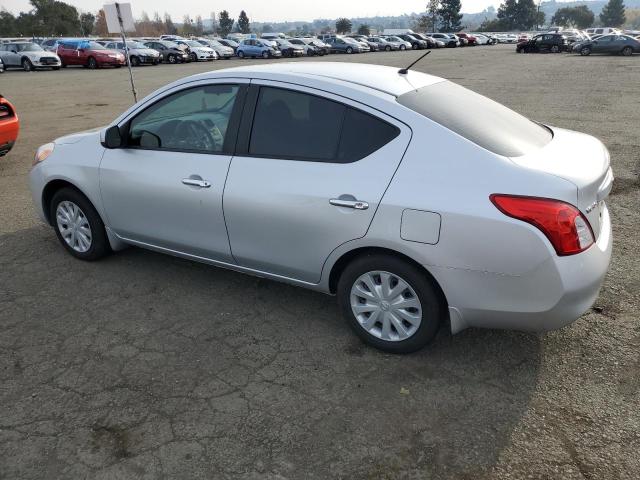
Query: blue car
[{"x": 255, "y": 47}]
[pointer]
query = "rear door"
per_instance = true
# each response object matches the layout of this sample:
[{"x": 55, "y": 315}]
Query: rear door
[{"x": 308, "y": 175}]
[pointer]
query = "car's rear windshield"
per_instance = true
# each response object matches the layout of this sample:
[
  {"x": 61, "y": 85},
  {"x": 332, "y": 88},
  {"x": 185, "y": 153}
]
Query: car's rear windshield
[{"x": 478, "y": 119}]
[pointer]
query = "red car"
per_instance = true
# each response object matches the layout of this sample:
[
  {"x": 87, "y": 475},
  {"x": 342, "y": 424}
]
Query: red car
[
  {"x": 469, "y": 38},
  {"x": 88, "y": 54},
  {"x": 9, "y": 126}
]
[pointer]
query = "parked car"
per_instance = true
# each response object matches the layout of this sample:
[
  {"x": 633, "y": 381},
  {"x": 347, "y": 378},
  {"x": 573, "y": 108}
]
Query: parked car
[
  {"x": 484, "y": 39},
  {"x": 1, "y": 65},
  {"x": 545, "y": 42},
  {"x": 384, "y": 44},
  {"x": 612, "y": 44},
  {"x": 88, "y": 54},
  {"x": 197, "y": 51},
  {"x": 345, "y": 45},
  {"x": 471, "y": 39},
  {"x": 504, "y": 226},
  {"x": 139, "y": 53},
  {"x": 431, "y": 43},
  {"x": 462, "y": 42},
  {"x": 288, "y": 49},
  {"x": 416, "y": 43},
  {"x": 255, "y": 47},
  {"x": 443, "y": 37},
  {"x": 51, "y": 44},
  {"x": 28, "y": 56},
  {"x": 402, "y": 44},
  {"x": 9, "y": 126},
  {"x": 229, "y": 43},
  {"x": 170, "y": 52},
  {"x": 308, "y": 47},
  {"x": 363, "y": 39},
  {"x": 221, "y": 50},
  {"x": 602, "y": 31}
]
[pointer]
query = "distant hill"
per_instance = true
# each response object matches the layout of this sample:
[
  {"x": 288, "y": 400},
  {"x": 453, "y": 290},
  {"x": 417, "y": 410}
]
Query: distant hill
[{"x": 469, "y": 20}]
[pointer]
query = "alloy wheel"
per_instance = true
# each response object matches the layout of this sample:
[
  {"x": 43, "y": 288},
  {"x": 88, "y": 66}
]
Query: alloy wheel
[
  {"x": 74, "y": 226},
  {"x": 386, "y": 306}
]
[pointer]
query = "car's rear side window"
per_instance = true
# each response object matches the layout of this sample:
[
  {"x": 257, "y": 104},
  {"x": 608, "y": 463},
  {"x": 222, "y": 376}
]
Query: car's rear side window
[
  {"x": 295, "y": 125},
  {"x": 478, "y": 119}
]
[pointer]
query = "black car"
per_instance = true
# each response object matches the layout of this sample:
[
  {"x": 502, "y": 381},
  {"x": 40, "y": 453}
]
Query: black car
[
  {"x": 430, "y": 41},
  {"x": 545, "y": 42},
  {"x": 287, "y": 48},
  {"x": 612, "y": 44},
  {"x": 416, "y": 43},
  {"x": 171, "y": 52}
]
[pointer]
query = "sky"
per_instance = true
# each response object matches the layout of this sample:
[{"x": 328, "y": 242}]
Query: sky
[{"x": 265, "y": 11}]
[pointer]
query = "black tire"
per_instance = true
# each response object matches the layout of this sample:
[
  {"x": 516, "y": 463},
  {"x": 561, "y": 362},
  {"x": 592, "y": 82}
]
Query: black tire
[
  {"x": 27, "y": 66},
  {"x": 99, "y": 243},
  {"x": 388, "y": 48},
  {"x": 431, "y": 301},
  {"x": 403, "y": 47},
  {"x": 265, "y": 54},
  {"x": 92, "y": 63},
  {"x": 135, "y": 61},
  {"x": 240, "y": 54},
  {"x": 585, "y": 51},
  {"x": 555, "y": 49},
  {"x": 194, "y": 57},
  {"x": 56, "y": 68},
  {"x": 171, "y": 58},
  {"x": 349, "y": 50},
  {"x": 627, "y": 51}
]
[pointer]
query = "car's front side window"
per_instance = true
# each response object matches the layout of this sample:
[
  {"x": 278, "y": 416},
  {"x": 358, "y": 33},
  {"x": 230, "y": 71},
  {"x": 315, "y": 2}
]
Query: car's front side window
[{"x": 195, "y": 119}]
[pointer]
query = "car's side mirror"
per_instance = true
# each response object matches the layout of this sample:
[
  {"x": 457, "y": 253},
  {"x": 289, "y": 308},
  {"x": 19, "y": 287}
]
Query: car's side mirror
[{"x": 112, "y": 137}]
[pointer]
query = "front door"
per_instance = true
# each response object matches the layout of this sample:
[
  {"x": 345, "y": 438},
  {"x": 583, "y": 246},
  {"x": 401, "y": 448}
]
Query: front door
[
  {"x": 164, "y": 188},
  {"x": 307, "y": 179}
]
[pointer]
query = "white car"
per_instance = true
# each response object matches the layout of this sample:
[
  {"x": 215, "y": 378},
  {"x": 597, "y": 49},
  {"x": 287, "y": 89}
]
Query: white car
[
  {"x": 139, "y": 53},
  {"x": 375, "y": 184},
  {"x": 197, "y": 51},
  {"x": 28, "y": 56},
  {"x": 307, "y": 45}
]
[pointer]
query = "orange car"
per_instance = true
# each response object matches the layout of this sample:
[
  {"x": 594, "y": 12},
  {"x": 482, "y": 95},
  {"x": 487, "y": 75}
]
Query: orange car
[{"x": 9, "y": 126}]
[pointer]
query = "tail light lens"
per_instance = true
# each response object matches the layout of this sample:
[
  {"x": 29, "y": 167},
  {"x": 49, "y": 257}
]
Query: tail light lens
[{"x": 566, "y": 228}]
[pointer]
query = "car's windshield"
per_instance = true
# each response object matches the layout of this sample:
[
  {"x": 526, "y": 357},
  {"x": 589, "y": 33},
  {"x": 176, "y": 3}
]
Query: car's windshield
[
  {"x": 501, "y": 131},
  {"x": 135, "y": 45},
  {"x": 215, "y": 43},
  {"x": 350, "y": 40},
  {"x": 394, "y": 39},
  {"x": 192, "y": 43},
  {"x": 169, "y": 44},
  {"x": 284, "y": 43},
  {"x": 92, "y": 46},
  {"x": 26, "y": 47}
]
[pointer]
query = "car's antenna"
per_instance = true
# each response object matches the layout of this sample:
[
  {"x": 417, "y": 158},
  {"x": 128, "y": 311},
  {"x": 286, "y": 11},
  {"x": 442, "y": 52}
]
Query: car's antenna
[{"x": 404, "y": 71}]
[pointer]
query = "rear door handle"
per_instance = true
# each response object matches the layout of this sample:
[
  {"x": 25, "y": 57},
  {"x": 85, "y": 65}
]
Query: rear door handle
[
  {"x": 193, "y": 182},
  {"x": 355, "y": 204}
]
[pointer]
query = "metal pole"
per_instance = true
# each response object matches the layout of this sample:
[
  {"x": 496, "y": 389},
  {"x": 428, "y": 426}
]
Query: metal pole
[{"x": 126, "y": 52}]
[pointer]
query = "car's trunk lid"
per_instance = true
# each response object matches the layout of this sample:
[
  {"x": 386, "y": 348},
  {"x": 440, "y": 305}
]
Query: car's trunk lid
[{"x": 582, "y": 160}]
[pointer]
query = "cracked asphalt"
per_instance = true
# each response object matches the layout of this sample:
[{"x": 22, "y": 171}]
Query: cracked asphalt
[{"x": 144, "y": 366}]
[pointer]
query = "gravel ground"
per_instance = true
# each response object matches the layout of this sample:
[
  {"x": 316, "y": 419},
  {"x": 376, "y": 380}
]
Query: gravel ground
[{"x": 148, "y": 366}]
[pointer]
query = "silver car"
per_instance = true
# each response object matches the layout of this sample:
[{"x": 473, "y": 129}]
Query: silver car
[
  {"x": 28, "y": 56},
  {"x": 402, "y": 44},
  {"x": 139, "y": 53},
  {"x": 384, "y": 190}
]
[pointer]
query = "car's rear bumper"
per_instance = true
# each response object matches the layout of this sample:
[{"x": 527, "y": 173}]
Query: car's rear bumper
[{"x": 552, "y": 295}]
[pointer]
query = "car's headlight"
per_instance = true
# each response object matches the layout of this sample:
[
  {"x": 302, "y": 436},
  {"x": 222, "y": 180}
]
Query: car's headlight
[{"x": 43, "y": 152}]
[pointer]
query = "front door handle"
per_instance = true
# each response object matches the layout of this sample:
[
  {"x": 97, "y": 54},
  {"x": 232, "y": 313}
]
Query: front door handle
[
  {"x": 355, "y": 204},
  {"x": 194, "y": 182}
]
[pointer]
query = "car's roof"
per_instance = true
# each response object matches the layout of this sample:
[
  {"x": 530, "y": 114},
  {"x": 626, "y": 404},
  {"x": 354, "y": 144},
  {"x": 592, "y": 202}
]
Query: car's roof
[{"x": 377, "y": 77}]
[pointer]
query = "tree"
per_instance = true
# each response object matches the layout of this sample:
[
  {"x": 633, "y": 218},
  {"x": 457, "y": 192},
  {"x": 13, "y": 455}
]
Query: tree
[
  {"x": 225, "y": 24},
  {"x": 8, "y": 25},
  {"x": 364, "y": 29},
  {"x": 612, "y": 14},
  {"x": 243, "y": 23},
  {"x": 579, "y": 17},
  {"x": 87, "y": 21},
  {"x": 199, "y": 26},
  {"x": 214, "y": 23},
  {"x": 432, "y": 13},
  {"x": 187, "y": 26},
  {"x": 267, "y": 28},
  {"x": 100, "y": 27},
  {"x": 343, "y": 25},
  {"x": 169, "y": 26},
  {"x": 518, "y": 15},
  {"x": 450, "y": 15}
]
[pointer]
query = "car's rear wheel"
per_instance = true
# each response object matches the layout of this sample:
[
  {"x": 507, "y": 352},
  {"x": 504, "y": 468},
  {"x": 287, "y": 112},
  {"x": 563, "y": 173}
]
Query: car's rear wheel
[
  {"x": 27, "y": 66},
  {"x": 585, "y": 51},
  {"x": 627, "y": 51},
  {"x": 92, "y": 63},
  {"x": 555, "y": 49},
  {"x": 390, "y": 304},
  {"x": 349, "y": 50},
  {"x": 78, "y": 225}
]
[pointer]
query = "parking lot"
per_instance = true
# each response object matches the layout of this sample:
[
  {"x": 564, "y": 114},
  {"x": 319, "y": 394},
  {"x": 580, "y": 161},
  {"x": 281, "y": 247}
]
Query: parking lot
[{"x": 148, "y": 366}]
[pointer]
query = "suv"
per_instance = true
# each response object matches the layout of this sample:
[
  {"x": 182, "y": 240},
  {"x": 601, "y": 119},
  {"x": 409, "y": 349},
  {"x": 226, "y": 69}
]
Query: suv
[
  {"x": 545, "y": 42},
  {"x": 254, "y": 47},
  {"x": 28, "y": 56},
  {"x": 88, "y": 54}
]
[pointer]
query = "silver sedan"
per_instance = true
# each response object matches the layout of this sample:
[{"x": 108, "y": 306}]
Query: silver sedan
[{"x": 377, "y": 185}]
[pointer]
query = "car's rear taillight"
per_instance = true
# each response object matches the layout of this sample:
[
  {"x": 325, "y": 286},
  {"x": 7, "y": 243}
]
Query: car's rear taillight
[{"x": 566, "y": 228}]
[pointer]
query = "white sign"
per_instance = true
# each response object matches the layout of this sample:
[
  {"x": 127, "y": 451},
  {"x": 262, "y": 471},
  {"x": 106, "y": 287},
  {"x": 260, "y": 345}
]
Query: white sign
[{"x": 111, "y": 14}]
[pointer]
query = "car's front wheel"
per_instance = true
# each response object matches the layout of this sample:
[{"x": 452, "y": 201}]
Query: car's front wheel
[
  {"x": 585, "y": 51},
  {"x": 349, "y": 50},
  {"x": 391, "y": 304},
  {"x": 240, "y": 54},
  {"x": 78, "y": 225},
  {"x": 92, "y": 63},
  {"x": 403, "y": 47},
  {"x": 27, "y": 66}
]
